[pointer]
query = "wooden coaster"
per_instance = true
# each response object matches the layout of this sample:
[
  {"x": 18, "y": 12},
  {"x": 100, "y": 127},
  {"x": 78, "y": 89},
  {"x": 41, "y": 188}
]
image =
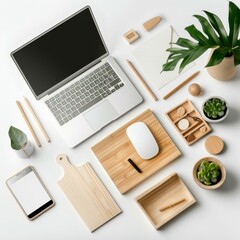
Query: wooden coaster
[{"x": 214, "y": 144}]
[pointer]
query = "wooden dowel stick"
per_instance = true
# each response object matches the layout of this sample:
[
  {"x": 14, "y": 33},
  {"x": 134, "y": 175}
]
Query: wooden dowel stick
[
  {"x": 181, "y": 85},
  {"x": 142, "y": 81},
  {"x": 36, "y": 119},
  {"x": 28, "y": 123},
  {"x": 171, "y": 205}
]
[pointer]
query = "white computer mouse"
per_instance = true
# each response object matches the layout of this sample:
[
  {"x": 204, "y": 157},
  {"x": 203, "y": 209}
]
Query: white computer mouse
[{"x": 142, "y": 140}]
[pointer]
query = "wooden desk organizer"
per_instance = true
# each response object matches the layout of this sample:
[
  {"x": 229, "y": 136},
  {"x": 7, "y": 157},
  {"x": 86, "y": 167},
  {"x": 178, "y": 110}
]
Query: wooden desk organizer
[
  {"x": 165, "y": 193},
  {"x": 114, "y": 151},
  {"x": 196, "y": 129}
]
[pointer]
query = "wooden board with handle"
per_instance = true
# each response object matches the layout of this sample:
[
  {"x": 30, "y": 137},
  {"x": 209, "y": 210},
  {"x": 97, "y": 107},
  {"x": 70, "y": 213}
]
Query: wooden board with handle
[
  {"x": 114, "y": 151},
  {"x": 87, "y": 194}
]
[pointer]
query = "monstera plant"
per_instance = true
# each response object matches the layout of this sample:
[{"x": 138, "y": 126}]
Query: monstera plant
[{"x": 213, "y": 36}]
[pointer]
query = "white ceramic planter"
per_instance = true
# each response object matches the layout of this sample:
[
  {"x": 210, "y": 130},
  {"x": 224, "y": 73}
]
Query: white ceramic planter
[
  {"x": 26, "y": 151},
  {"x": 213, "y": 120}
]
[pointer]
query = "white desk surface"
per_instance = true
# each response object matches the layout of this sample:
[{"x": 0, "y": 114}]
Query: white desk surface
[{"x": 216, "y": 214}]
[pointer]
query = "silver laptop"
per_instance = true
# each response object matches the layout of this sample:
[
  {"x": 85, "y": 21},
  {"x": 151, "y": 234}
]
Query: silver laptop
[{"x": 69, "y": 68}]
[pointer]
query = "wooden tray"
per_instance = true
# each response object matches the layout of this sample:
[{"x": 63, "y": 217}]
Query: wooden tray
[
  {"x": 114, "y": 151},
  {"x": 195, "y": 130},
  {"x": 87, "y": 194},
  {"x": 169, "y": 191}
]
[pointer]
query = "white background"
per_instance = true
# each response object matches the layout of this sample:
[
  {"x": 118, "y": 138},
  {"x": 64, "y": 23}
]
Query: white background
[{"x": 216, "y": 213}]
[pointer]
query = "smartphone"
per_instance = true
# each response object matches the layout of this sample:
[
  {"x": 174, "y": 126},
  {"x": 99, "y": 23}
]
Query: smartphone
[{"x": 30, "y": 192}]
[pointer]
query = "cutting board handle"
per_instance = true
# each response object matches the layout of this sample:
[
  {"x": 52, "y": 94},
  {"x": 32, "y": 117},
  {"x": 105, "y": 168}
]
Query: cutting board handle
[{"x": 62, "y": 160}]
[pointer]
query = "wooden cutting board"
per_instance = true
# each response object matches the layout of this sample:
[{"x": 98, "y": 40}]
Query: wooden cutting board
[
  {"x": 114, "y": 151},
  {"x": 87, "y": 194}
]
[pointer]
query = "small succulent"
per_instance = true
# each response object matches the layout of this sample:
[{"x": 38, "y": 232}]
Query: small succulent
[
  {"x": 209, "y": 173},
  {"x": 215, "y": 108}
]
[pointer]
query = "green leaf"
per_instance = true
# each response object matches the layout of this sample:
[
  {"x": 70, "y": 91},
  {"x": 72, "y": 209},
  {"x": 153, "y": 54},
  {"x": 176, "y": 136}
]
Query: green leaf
[
  {"x": 234, "y": 23},
  {"x": 191, "y": 57},
  {"x": 176, "y": 50},
  {"x": 236, "y": 53},
  {"x": 208, "y": 30},
  {"x": 217, "y": 56},
  {"x": 18, "y": 138},
  {"x": 197, "y": 35},
  {"x": 213, "y": 35},
  {"x": 218, "y": 26},
  {"x": 183, "y": 42},
  {"x": 170, "y": 65}
]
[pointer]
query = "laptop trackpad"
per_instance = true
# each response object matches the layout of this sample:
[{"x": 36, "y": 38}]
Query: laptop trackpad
[{"x": 101, "y": 115}]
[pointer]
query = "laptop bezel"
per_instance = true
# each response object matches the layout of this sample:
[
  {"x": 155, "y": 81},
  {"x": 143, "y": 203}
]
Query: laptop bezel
[{"x": 72, "y": 76}]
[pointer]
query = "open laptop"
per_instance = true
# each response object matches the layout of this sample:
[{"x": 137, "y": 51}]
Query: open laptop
[{"x": 69, "y": 68}]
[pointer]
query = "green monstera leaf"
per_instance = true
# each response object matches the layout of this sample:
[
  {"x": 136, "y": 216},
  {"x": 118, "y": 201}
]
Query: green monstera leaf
[{"x": 213, "y": 36}]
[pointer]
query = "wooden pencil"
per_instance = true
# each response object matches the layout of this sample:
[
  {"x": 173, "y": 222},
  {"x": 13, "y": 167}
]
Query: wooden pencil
[
  {"x": 142, "y": 81},
  {"x": 28, "y": 123},
  {"x": 36, "y": 119},
  {"x": 181, "y": 85}
]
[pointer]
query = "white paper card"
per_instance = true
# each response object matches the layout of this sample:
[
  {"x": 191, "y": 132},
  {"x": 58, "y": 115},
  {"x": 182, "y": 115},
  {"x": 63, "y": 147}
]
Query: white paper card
[{"x": 151, "y": 55}]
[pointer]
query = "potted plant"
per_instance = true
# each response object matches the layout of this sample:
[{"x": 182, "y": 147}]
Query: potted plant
[
  {"x": 225, "y": 47},
  {"x": 20, "y": 143},
  {"x": 215, "y": 109},
  {"x": 209, "y": 173}
]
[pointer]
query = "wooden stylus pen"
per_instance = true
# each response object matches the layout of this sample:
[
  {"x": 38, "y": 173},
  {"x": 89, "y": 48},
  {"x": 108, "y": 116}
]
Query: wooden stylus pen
[
  {"x": 142, "y": 81},
  {"x": 36, "y": 119},
  {"x": 181, "y": 85},
  {"x": 28, "y": 123}
]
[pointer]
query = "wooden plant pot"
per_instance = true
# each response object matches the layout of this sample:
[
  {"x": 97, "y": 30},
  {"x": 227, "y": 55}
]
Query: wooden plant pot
[
  {"x": 211, "y": 187},
  {"x": 225, "y": 70}
]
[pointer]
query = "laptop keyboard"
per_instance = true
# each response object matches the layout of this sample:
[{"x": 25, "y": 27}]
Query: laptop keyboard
[{"x": 85, "y": 93}]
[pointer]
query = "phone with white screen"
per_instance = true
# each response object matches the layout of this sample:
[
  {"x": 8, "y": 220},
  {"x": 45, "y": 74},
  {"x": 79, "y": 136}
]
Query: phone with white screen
[{"x": 30, "y": 192}]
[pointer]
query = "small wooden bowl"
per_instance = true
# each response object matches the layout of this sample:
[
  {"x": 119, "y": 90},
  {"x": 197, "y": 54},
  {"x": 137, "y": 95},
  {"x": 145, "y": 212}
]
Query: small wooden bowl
[{"x": 223, "y": 173}]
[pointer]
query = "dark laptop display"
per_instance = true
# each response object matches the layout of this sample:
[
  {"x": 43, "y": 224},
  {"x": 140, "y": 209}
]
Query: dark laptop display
[{"x": 61, "y": 53}]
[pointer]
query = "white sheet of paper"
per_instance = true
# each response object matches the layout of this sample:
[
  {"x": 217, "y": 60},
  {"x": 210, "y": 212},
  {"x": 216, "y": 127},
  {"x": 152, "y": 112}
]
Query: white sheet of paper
[{"x": 151, "y": 55}]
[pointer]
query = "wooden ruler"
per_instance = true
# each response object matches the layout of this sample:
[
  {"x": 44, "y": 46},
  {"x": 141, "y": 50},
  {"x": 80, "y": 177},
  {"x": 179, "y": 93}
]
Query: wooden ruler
[{"x": 87, "y": 194}]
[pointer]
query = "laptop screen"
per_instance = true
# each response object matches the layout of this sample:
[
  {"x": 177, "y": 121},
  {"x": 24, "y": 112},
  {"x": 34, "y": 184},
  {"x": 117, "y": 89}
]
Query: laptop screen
[{"x": 61, "y": 53}]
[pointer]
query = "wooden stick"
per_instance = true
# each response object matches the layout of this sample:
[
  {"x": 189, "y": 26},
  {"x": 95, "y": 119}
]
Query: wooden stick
[
  {"x": 171, "y": 205},
  {"x": 181, "y": 85},
  {"x": 36, "y": 119},
  {"x": 142, "y": 80},
  {"x": 28, "y": 123}
]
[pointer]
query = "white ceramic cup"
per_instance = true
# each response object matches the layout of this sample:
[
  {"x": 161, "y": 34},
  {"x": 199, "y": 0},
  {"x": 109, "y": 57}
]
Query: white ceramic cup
[{"x": 26, "y": 150}]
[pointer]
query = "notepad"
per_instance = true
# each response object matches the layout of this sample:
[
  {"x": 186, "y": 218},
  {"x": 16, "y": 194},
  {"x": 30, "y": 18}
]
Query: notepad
[{"x": 151, "y": 55}]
